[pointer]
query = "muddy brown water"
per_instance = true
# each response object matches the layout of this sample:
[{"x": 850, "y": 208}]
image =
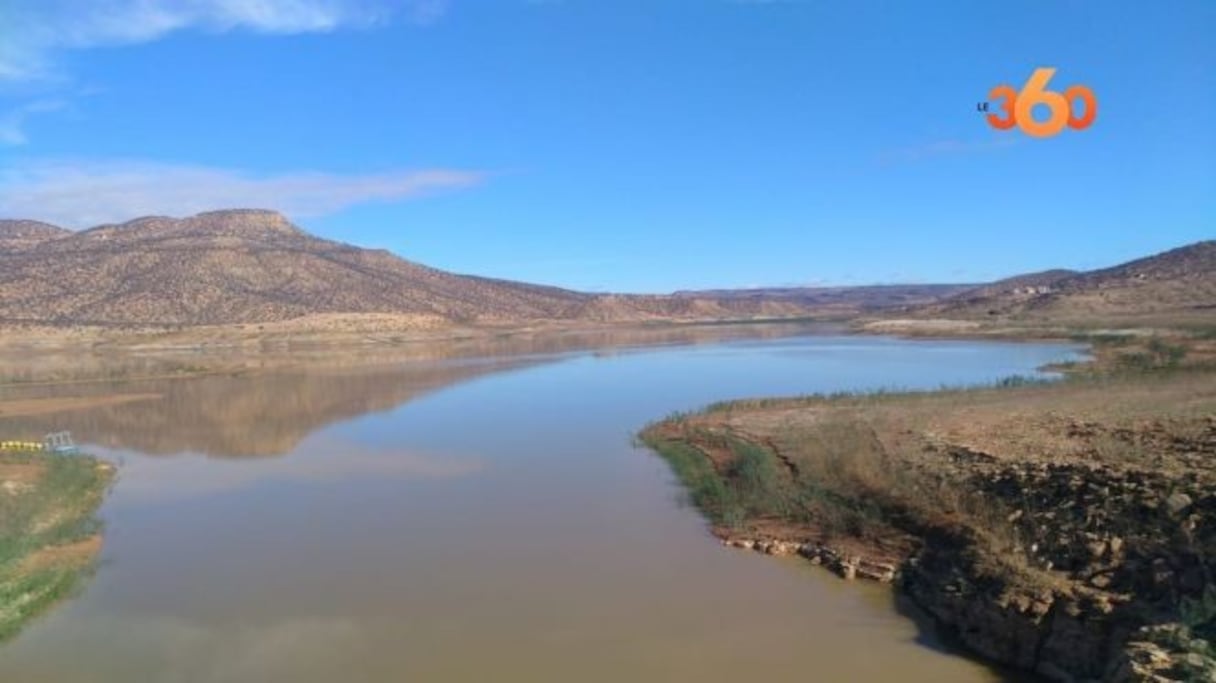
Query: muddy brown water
[{"x": 469, "y": 520}]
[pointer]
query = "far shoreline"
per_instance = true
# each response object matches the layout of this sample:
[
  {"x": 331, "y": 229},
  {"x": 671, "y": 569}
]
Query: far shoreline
[{"x": 201, "y": 350}]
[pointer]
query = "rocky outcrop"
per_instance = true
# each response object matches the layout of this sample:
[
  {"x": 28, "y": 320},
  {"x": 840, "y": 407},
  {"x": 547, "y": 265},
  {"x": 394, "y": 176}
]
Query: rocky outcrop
[
  {"x": 846, "y": 565},
  {"x": 1164, "y": 653},
  {"x": 1124, "y": 553},
  {"x": 1068, "y": 530},
  {"x": 1052, "y": 631}
]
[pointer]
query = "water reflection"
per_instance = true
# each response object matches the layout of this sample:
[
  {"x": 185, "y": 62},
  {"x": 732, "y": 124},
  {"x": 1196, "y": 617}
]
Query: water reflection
[
  {"x": 272, "y": 402},
  {"x": 323, "y": 459},
  {"x": 259, "y": 414},
  {"x": 502, "y": 529}
]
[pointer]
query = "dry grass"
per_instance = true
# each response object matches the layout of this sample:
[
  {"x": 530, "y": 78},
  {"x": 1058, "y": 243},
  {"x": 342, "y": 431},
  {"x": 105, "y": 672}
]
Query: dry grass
[{"x": 885, "y": 468}]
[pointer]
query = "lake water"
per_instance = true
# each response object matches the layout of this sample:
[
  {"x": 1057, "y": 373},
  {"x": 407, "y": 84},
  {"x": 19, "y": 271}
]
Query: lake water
[{"x": 469, "y": 519}]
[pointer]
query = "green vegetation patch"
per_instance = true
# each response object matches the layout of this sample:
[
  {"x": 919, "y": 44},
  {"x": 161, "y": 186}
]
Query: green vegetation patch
[
  {"x": 706, "y": 489},
  {"x": 837, "y": 490},
  {"x": 47, "y": 515}
]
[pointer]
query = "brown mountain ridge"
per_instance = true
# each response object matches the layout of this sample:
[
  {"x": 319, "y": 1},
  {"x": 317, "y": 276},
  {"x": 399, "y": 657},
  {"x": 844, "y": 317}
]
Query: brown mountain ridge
[
  {"x": 21, "y": 234},
  {"x": 252, "y": 266},
  {"x": 1178, "y": 281}
]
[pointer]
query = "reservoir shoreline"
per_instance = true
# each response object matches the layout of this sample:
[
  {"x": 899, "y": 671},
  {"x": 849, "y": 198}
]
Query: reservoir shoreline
[
  {"x": 1063, "y": 527},
  {"x": 837, "y": 553}
]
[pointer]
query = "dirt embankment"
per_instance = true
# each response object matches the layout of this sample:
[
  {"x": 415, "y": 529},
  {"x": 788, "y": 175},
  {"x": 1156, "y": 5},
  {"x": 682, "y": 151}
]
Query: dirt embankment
[{"x": 1068, "y": 529}]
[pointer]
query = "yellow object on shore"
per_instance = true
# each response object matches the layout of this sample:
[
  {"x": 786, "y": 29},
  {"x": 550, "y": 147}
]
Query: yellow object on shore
[
  {"x": 22, "y": 446},
  {"x": 55, "y": 442}
]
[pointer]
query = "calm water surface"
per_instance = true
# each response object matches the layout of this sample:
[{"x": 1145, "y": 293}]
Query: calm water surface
[{"x": 469, "y": 520}]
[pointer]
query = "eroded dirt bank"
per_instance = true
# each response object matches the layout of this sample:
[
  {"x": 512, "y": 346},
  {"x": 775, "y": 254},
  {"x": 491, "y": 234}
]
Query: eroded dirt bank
[{"x": 1067, "y": 529}]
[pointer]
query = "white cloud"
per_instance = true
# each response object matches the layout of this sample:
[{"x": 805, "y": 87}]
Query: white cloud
[
  {"x": 35, "y": 30},
  {"x": 84, "y": 194},
  {"x": 33, "y": 33}
]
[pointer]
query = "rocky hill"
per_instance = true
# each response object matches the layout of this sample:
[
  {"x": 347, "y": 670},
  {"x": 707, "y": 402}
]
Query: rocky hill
[
  {"x": 237, "y": 266},
  {"x": 252, "y": 266},
  {"x": 25, "y": 234},
  {"x": 1018, "y": 285},
  {"x": 1181, "y": 280}
]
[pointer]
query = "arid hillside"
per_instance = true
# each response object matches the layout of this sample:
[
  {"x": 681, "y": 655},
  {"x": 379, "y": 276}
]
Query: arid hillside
[
  {"x": 1179, "y": 281},
  {"x": 862, "y": 298},
  {"x": 252, "y": 266},
  {"x": 241, "y": 267},
  {"x": 24, "y": 234},
  {"x": 238, "y": 266}
]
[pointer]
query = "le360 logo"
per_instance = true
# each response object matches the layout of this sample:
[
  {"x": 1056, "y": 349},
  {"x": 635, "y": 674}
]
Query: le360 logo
[{"x": 1075, "y": 107}]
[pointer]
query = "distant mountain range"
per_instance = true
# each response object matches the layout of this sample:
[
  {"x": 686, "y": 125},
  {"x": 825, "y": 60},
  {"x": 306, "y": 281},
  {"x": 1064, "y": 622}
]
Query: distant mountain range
[
  {"x": 857, "y": 298},
  {"x": 253, "y": 266}
]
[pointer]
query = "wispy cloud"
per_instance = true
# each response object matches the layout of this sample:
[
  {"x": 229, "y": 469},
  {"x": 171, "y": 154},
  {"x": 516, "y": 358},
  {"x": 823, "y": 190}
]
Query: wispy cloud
[
  {"x": 79, "y": 194},
  {"x": 34, "y": 32}
]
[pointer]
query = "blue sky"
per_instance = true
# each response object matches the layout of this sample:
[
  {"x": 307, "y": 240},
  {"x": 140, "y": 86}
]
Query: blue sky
[{"x": 641, "y": 145}]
